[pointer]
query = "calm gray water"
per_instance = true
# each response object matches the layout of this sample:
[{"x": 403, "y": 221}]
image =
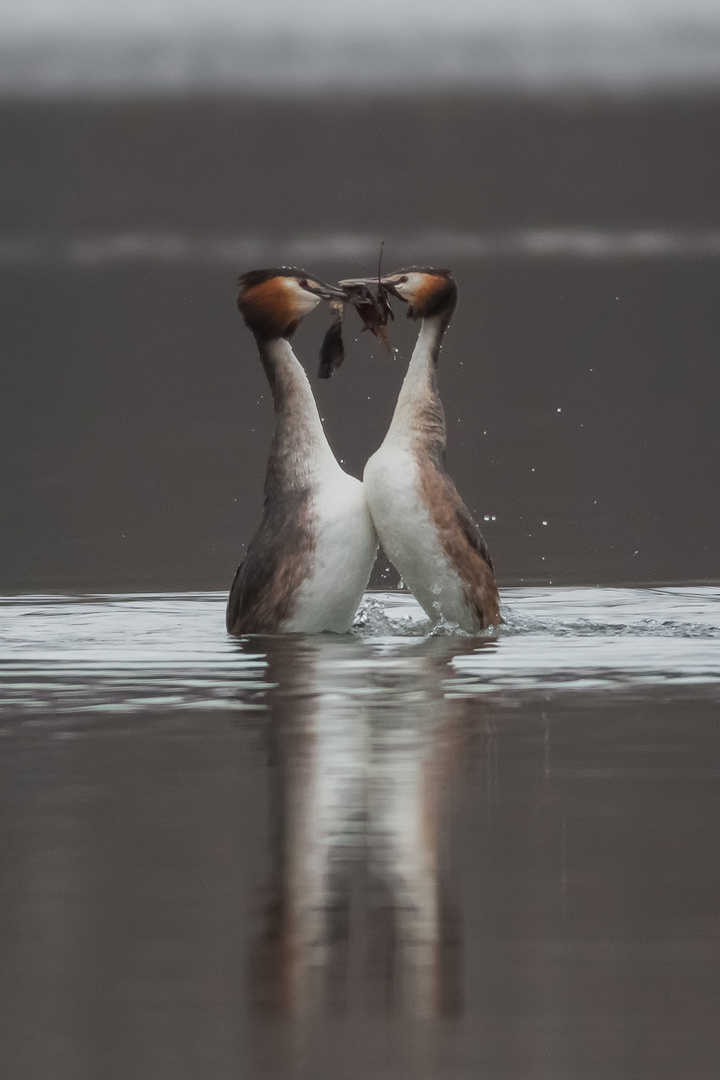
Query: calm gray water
[{"x": 400, "y": 853}]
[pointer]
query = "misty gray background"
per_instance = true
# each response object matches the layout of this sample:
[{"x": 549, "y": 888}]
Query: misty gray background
[
  {"x": 151, "y": 153},
  {"x": 135, "y": 416}
]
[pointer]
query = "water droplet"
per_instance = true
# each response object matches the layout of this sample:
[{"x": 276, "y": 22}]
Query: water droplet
[
  {"x": 486, "y": 517},
  {"x": 559, "y": 410},
  {"x": 544, "y": 522}
]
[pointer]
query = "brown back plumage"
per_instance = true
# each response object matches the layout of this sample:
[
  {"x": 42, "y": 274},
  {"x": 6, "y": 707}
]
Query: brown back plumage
[
  {"x": 264, "y": 591},
  {"x": 462, "y": 541}
]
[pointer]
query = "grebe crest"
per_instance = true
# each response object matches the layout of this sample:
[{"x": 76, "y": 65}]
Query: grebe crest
[{"x": 273, "y": 302}]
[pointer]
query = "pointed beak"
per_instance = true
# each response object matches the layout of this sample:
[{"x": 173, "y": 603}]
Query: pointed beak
[
  {"x": 325, "y": 291},
  {"x": 358, "y": 283}
]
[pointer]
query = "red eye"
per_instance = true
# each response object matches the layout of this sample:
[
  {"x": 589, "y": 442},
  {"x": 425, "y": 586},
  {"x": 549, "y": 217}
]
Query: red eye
[
  {"x": 402, "y": 280},
  {"x": 303, "y": 283}
]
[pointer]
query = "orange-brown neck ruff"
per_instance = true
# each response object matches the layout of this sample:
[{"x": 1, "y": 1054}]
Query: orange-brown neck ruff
[
  {"x": 267, "y": 311},
  {"x": 433, "y": 293}
]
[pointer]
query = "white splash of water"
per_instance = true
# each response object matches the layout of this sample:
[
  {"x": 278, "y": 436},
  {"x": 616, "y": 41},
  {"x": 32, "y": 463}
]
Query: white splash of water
[{"x": 139, "y": 653}]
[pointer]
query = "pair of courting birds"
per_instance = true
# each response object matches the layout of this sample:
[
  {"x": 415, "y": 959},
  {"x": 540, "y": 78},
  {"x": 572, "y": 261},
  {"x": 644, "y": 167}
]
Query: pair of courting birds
[{"x": 309, "y": 563}]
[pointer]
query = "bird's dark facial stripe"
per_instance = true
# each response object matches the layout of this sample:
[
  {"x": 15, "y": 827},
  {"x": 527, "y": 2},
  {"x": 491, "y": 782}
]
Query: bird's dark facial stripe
[{"x": 257, "y": 277}]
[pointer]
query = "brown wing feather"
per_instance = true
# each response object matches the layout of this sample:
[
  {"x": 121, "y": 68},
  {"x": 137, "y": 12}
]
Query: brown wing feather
[
  {"x": 470, "y": 530},
  {"x": 265, "y": 587},
  {"x": 463, "y": 543}
]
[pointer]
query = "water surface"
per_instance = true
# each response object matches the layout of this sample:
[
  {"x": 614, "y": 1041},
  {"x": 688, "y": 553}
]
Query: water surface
[
  {"x": 400, "y": 853},
  {"x": 139, "y": 652}
]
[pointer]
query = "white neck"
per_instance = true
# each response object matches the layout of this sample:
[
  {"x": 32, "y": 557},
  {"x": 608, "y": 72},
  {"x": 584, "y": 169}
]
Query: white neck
[
  {"x": 419, "y": 386},
  {"x": 299, "y": 447}
]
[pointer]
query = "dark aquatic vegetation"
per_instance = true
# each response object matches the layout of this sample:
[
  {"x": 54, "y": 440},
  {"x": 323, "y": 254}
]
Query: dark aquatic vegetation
[
  {"x": 373, "y": 308},
  {"x": 374, "y": 311},
  {"x": 332, "y": 350}
]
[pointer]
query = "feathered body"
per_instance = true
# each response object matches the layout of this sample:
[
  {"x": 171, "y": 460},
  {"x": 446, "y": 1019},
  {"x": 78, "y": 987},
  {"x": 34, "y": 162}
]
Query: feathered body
[
  {"x": 421, "y": 521},
  {"x": 310, "y": 560}
]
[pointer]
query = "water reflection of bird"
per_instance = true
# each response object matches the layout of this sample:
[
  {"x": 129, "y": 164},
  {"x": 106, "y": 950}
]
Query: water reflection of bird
[
  {"x": 421, "y": 521},
  {"x": 365, "y": 751},
  {"x": 310, "y": 560}
]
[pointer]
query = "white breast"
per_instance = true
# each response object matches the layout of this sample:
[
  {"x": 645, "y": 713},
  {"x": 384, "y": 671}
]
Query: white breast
[
  {"x": 408, "y": 534},
  {"x": 345, "y": 550}
]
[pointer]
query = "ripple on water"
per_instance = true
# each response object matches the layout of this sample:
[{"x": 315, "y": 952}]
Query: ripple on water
[{"x": 140, "y": 653}]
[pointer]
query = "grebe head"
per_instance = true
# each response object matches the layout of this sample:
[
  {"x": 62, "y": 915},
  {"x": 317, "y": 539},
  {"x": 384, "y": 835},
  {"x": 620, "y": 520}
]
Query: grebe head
[
  {"x": 273, "y": 302},
  {"x": 426, "y": 291}
]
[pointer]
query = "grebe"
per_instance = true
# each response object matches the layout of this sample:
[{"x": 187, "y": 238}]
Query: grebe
[
  {"x": 310, "y": 560},
  {"x": 422, "y": 523}
]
